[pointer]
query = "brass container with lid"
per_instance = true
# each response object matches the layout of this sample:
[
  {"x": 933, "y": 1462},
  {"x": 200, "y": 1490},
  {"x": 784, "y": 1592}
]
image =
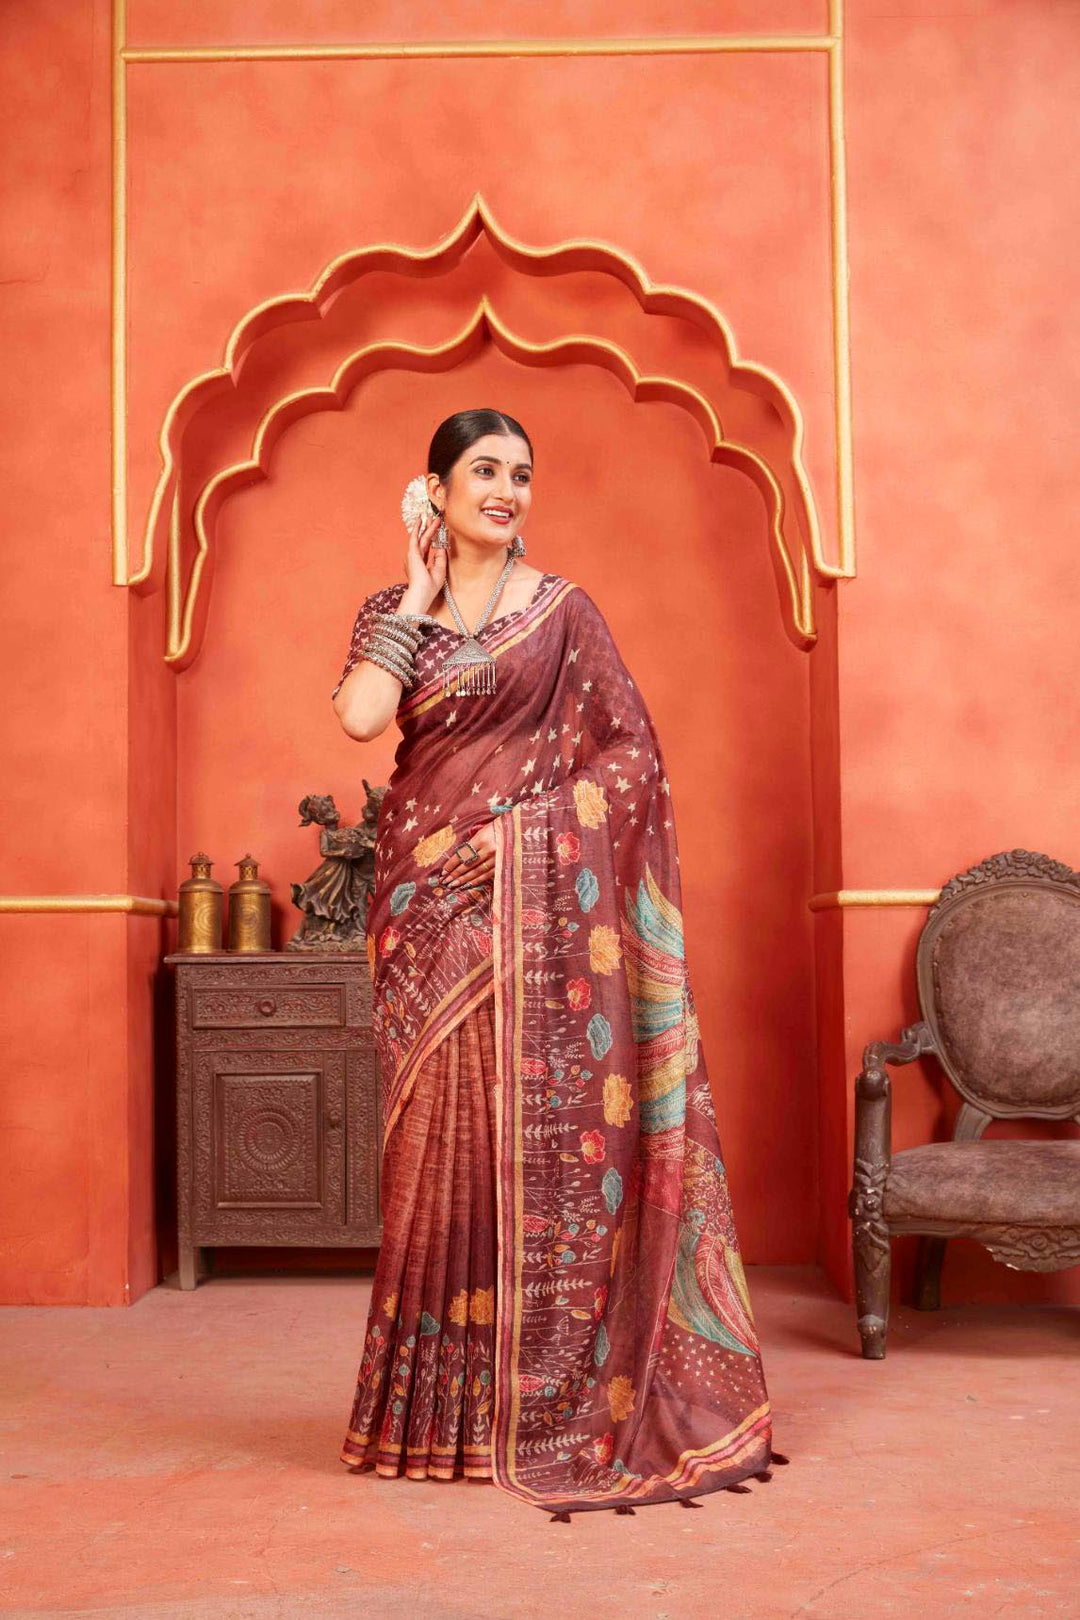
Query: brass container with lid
[
  {"x": 200, "y": 908},
  {"x": 249, "y": 909}
]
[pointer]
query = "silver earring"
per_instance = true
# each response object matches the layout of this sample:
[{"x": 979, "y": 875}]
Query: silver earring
[
  {"x": 517, "y": 546},
  {"x": 440, "y": 539}
]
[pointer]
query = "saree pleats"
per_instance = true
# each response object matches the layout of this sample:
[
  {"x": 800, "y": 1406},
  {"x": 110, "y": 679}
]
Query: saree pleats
[{"x": 423, "y": 1402}]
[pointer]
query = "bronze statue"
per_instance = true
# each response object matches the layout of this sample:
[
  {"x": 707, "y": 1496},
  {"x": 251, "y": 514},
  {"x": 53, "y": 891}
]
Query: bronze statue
[{"x": 336, "y": 897}]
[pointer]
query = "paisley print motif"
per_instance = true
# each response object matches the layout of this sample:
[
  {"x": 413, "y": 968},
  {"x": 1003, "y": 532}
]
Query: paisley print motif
[{"x": 624, "y": 1362}]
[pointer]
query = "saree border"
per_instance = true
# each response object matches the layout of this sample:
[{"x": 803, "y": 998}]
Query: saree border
[
  {"x": 507, "y": 968},
  {"x": 532, "y": 618}
]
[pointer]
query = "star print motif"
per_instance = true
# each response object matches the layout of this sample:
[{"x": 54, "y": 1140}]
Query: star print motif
[
  {"x": 538, "y": 785},
  {"x": 552, "y": 734},
  {"x": 623, "y": 785},
  {"x": 571, "y": 656},
  {"x": 451, "y": 717},
  {"x": 410, "y": 824},
  {"x": 410, "y": 804},
  {"x": 576, "y": 738},
  {"x": 634, "y": 752},
  {"x": 476, "y": 787},
  {"x": 586, "y": 686},
  {"x": 530, "y": 764},
  {"x": 536, "y": 734},
  {"x": 666, "y": 786}
]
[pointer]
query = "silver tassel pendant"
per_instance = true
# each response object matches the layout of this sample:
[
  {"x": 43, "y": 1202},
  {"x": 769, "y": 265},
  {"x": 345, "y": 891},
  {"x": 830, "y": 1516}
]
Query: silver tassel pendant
[{"x": 473, "y": 667}]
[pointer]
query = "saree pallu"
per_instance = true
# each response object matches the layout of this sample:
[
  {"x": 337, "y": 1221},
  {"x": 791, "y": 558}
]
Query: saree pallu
[{"x": 626, "y": 1368}]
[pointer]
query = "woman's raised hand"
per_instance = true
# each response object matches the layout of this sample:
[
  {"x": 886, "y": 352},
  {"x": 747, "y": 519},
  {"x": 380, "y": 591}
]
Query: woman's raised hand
[
  {"x": 459, "y": 874},
  {"x": 425, "y": 570}
]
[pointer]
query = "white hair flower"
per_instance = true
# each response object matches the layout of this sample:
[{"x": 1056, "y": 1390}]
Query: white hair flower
[{"x": 415, "y": 502}]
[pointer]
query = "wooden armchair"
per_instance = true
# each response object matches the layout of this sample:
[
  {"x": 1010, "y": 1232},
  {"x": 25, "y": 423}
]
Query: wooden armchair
[{"x": 998, "y": 969}]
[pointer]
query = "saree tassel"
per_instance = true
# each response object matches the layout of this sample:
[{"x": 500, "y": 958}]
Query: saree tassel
[
  {"x": 738, "y": 1490},
  {"x": 624, "y": 1507},
  {"x": 473, "y": 668},
  {"x": 779, "y": 1458},
  {"x": 559, "y": 1518},
  {"x": 764, "y": 1477},
  {"x": 684, "y": 1501}
]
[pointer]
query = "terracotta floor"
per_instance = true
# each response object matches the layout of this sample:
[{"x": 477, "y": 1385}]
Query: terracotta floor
[{"x": 179, "y": 1459}]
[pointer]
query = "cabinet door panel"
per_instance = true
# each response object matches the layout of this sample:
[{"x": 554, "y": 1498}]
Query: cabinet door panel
[{"x": 268, "y": 1145}]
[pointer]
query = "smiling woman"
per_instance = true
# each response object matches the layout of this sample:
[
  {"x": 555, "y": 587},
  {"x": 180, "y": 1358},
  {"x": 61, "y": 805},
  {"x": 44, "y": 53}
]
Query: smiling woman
[{"x": 559, "y": 1303}]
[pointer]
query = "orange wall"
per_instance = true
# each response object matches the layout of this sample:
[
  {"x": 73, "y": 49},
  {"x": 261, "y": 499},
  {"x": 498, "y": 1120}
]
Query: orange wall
[
  {"x": 927, "y": 729},
  {"x": 959, "y": 664}
]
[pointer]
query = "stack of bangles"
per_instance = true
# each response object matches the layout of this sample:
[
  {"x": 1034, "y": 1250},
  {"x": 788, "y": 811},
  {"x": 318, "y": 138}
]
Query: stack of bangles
[{"x": 392, "y": 640}]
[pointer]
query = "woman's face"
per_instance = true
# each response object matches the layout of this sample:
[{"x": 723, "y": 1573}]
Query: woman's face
[{"x": 487, "y": 495}]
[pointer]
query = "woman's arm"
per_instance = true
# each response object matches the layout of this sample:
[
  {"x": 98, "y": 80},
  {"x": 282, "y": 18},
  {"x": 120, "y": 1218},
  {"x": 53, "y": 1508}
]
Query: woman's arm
[{"x": 367, "y": 696}]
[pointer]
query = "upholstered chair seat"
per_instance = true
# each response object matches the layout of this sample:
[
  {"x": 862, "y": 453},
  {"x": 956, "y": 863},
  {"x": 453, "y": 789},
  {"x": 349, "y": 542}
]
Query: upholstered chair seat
[
  {"x": 998, "y": 974},
  {"x": 1018, "y": 1183}
]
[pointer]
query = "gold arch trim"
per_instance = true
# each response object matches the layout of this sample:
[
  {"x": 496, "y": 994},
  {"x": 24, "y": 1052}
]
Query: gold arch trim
[
  {"x": 483, "y": 325},
  {"x": 561, "y": 258},
  {"x": 831, "y": 43}
]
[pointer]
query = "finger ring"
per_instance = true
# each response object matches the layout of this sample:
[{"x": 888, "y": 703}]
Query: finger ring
[{"x": 468, "y": 859}]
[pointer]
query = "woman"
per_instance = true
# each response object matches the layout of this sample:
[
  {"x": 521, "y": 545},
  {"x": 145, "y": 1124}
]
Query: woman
[{"x": 559, "y": 1303}]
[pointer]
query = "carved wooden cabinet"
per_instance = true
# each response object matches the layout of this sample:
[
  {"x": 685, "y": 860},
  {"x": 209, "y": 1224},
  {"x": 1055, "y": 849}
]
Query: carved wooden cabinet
[{"x": 278, "y": 1128}]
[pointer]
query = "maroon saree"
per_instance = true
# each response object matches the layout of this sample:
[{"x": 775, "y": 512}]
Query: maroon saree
[{"x": 624, "y": 1365}]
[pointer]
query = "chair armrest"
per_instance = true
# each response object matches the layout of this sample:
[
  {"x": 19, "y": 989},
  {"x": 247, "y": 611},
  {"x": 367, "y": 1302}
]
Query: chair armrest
[{"x": 873, "y": 1116}]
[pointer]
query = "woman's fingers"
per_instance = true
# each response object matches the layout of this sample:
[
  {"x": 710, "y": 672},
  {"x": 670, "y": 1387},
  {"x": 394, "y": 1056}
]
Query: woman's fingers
[{"x": 458, "y": 873}]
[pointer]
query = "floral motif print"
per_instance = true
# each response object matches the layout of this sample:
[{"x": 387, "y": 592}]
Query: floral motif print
[{"x": 612, "y": 1208}]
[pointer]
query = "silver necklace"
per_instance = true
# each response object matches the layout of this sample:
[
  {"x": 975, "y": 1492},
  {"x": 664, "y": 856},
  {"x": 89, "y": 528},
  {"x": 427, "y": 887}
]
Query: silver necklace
[{"x": 473, "y": 667}]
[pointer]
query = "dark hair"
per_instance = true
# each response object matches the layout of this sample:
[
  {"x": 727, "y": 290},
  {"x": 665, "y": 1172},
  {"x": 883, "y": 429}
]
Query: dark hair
[{"x": 454, "y": 436}]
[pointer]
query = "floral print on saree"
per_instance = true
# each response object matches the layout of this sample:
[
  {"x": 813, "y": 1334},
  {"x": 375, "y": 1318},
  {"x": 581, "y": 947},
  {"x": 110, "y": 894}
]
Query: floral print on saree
[{"x": 626, "y": 1368}]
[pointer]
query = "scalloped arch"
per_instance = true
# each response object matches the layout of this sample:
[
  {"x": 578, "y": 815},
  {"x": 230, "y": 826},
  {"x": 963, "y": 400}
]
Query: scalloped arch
[{"x": 186, "y": 612}]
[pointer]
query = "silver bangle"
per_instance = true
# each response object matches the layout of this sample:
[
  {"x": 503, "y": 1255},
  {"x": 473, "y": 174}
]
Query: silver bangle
[
  {"x": 405, "y": 676},
  {"x": 387, "y": 644},
  {"x": 392, "y": 657},
  {"x": 404, "y": 634},
  {"x": 425, "y": 620}
]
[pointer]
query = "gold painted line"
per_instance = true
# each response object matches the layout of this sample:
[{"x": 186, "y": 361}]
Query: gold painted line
[
  {"x": 118, "y": 378},
  {"x": 845, "y": 495},
  {"x": 703, "y": 45},
  {"x": 141, "y": 905},
  {"x": 875, "y": 897}
]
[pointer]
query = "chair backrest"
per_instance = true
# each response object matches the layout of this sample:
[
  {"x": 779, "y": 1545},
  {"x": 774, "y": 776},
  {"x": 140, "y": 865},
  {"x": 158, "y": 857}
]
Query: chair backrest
[{"x": 998, "y": 968}]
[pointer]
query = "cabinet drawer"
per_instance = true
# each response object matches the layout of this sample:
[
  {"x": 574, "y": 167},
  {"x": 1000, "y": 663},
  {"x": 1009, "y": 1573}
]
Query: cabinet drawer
[{"x": 269, "y": 1006}]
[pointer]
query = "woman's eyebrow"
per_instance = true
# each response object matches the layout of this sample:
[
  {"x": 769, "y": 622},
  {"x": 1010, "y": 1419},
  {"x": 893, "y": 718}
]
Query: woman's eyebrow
[{"x": 526, "y": 464}]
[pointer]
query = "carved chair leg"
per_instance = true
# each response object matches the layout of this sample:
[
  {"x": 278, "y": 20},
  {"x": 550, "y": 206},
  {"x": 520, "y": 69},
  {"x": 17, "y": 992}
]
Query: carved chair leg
[
  {"x": 928, "y": 1273},
  {"x": 872, "y": 1270}
]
